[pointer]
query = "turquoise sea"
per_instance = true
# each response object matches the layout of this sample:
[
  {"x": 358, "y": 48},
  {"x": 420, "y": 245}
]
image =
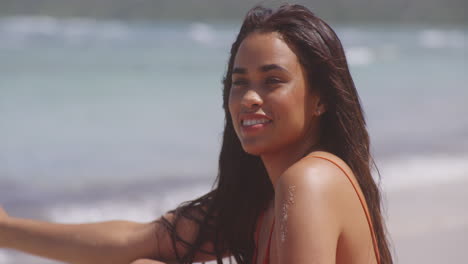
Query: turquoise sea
[{"x": 116, "y": 120}]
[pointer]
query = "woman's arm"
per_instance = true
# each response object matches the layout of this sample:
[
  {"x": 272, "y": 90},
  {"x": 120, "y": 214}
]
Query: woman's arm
[
  {"x": 105, "y": 242},
  {"x": 310, "y": 201},
  {"x": 319, "y": 215}
]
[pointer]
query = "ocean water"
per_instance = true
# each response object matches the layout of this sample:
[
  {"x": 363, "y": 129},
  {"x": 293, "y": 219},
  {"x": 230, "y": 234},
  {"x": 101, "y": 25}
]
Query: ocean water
[{"x": 108, "y": 120}]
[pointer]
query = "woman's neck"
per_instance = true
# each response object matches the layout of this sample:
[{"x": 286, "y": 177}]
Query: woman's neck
[{"x": 276, "y": 163}]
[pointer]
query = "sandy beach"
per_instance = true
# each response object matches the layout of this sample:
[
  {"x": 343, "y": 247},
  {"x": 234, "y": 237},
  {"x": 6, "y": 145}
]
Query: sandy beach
[{"x": 429, "y": 224}]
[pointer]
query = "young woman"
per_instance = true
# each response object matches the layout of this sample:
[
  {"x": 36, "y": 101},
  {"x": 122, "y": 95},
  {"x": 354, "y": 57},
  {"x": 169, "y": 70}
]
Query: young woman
[{"x": 294, "y": 182}]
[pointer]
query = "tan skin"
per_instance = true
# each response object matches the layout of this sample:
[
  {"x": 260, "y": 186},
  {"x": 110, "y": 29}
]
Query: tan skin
[
  {"x": 325, "y": 222},
  {"x": 117, "y": 242}
]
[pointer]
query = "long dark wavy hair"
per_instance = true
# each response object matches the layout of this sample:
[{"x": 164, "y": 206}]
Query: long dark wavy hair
[{"x": 226, "y": 216}]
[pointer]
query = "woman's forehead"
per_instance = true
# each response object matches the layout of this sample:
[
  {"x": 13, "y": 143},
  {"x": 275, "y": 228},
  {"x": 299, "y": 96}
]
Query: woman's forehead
[{"x": 259, "y": 49}]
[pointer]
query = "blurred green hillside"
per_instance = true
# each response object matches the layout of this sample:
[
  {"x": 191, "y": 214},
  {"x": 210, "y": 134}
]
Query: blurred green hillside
[{"x": 404, "y": 11}]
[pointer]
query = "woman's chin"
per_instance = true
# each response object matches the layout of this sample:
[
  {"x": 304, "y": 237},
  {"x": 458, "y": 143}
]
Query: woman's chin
[{"x": 254, "y": 150}]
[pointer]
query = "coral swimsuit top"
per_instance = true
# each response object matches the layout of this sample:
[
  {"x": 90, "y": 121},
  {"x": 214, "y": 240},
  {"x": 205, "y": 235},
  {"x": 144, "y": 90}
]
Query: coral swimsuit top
[{"x": 361, "y": 199}]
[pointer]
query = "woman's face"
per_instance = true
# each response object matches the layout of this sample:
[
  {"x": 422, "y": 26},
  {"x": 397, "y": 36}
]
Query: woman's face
[{"x": 270, "y": 104}]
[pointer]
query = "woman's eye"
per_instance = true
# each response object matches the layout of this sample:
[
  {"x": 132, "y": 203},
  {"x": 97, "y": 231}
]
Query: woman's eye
[
  {"x": 240, "y": 82},
  {"x": 273, "y": 81}
]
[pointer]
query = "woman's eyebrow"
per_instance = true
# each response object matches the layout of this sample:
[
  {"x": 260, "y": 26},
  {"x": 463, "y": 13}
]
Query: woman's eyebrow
[
  {"x": 263, "y": 68},
  {"x": 239, "y": 70},
  {"x": 270, "y": 67}
]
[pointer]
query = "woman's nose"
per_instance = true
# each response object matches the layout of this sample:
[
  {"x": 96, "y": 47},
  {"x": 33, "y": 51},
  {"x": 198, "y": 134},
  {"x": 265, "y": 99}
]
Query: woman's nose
[{"x": 251, "y": 100}]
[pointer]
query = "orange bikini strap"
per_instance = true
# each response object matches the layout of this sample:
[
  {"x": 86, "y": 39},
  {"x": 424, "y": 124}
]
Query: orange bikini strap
[{"x": 363, "y": 202}]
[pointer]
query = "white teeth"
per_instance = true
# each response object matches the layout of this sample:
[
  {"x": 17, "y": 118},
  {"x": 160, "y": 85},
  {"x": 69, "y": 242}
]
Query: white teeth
[{"x": 251, "y": 122}]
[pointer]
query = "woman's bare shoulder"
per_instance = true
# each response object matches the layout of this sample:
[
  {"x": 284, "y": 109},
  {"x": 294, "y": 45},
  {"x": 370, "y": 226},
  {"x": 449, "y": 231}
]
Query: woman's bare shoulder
[
  {"x": 311, "y": 201},
  {"x": 320, "y": 168},
  {"x": 331, "y": 160},
  {"x": 320, "y": 178}
]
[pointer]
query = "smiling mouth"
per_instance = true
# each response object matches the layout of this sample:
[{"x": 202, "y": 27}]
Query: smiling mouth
[{"x": 253, "y": 122}]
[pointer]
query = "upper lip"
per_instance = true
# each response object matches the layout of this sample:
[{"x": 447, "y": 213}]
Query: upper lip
[{"x": 253, "y": 116}]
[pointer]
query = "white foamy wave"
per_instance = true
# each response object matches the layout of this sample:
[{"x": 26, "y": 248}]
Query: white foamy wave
[
  {"x": 143, "y": 208},
  {"x": 434, "y": 39},
  {"x": 76, "y": 30},
  {"x": 414, "y": 171},
  {"x": 359, "y": 56},
  {"x": 202, "y": 33}
]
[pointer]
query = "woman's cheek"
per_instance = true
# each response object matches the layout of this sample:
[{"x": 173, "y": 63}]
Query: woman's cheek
[{"x": 233, "y": 107}]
